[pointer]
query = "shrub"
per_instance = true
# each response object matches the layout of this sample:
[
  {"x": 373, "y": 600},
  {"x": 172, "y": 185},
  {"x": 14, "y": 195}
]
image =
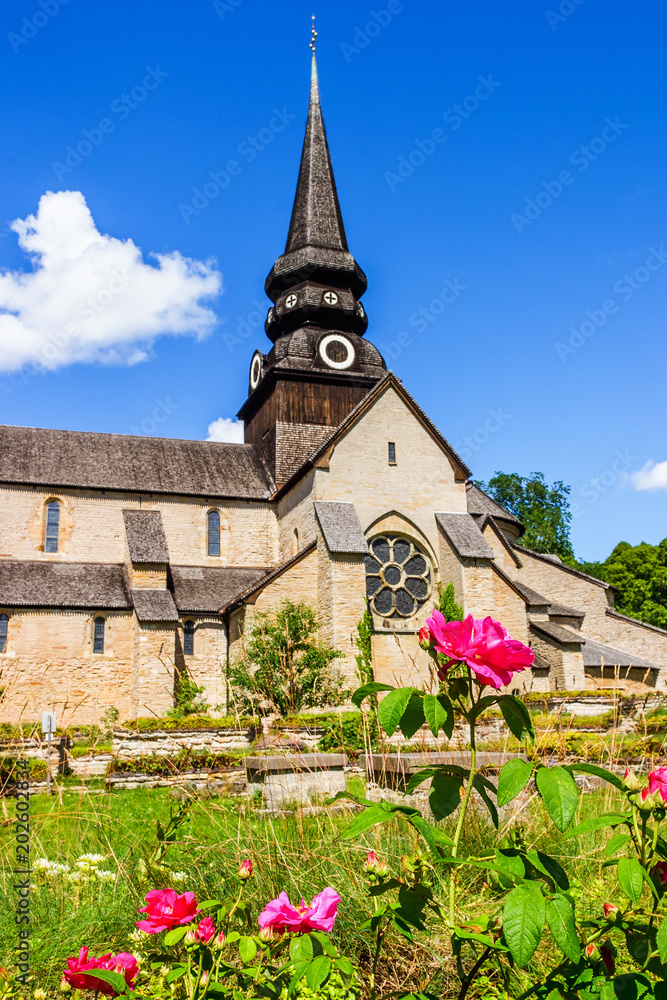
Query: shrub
[
  {"x": 192, "y": 723},
  {"x": 285, "y": 668},
  {"x": 186, "y": 760}
]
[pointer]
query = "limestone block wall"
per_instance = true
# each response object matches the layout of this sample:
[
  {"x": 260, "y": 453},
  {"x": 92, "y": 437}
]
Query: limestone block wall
[
  {"x": 92, "y": 527},
  {"x": 399, "y": 660},
  {"x": 421, "y": 482},
  {"x": 207, "y": 665},
  {"x": 341, "y": 604},
  {"x": 501, "y": 555},
  {"x": 147, "y": 576},
  {"x": 49, "y": 664},
  {"x": 296, "y": 513},
  {"x": 510, "y": 609},
  {"x": 153, "y": 673}
]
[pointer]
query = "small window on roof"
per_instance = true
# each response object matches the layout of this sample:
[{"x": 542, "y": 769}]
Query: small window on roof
[
  {"x": 52, "y": 533},
  {"x": 391, "y": 450},
  {"x": 4, "y": 623},
  {"x": 98, "y": 635},
  {"x": 213, "y": 533},
  {"x": 188, "y": 638}
]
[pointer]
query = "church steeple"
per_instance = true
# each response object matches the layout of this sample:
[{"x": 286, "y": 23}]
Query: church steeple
[{"x": 316, "y": 322}]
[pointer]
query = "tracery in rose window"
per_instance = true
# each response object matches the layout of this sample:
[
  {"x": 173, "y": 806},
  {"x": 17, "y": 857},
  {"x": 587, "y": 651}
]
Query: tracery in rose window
[{"x": 399, "y": 578}]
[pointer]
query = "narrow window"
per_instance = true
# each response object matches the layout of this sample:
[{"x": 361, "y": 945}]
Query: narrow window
[
  {"x": 295, "y": 542},
  {"x": 4, "y": 620},
  {"x": 391, "y": 448},
  {"x": 98, "y": 635},
  {"x": 52, "y": 526},
  {"x": 213, "y": 533},
  {"x": 188, "y": 639}
]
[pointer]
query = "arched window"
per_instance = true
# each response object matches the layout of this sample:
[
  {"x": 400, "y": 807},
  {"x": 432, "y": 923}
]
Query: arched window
[
  {"x": 188, "y": 638},
  {"x": 213, "y": 533},
  {"x": 4, "y": 622},
  {"x": 98, "y": 635},
  {"x": 52, "y": 534}
]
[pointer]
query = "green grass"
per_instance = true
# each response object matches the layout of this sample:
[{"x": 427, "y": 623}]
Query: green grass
[{"x": 299, "y": 854}]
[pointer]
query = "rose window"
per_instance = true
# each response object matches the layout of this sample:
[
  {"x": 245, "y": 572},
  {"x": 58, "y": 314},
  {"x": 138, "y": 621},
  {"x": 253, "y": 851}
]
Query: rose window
[{"x": 398, "y": 577}]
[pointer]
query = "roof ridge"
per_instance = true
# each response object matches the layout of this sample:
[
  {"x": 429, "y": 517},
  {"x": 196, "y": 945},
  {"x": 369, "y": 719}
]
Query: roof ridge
[
  {"x": 271, "y": 575},
  {"x": 635, "y": 621},
  {"x": 564, "y": 566}
]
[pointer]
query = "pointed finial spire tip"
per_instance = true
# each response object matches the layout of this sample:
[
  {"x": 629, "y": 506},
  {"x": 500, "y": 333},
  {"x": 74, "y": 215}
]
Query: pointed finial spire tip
[{"x": 313, "y": 33}]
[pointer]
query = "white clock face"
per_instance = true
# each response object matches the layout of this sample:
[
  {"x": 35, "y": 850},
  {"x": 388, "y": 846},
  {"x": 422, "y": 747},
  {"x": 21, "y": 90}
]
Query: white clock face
[
  {"x": 255, "y": 370},
  {"x": 330, "y": 298},
  {"x": 336, "y": 351},
  {"x": 291, "y": 301}
]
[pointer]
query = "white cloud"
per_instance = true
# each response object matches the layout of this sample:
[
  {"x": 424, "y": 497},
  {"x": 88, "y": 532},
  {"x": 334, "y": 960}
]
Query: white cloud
[
  {"x": 652, "y": 477},
  {"x": 91, "y": 297},
  {"x": 226, "y": 429}
]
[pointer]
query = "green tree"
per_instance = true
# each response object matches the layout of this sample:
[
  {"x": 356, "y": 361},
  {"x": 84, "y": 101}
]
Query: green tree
[
  {"x": 543, "y": 509},
  {"x": 450, "y": 610},
  {"x": 640, "y": 574},
  {"x": 284, "y": 667}
]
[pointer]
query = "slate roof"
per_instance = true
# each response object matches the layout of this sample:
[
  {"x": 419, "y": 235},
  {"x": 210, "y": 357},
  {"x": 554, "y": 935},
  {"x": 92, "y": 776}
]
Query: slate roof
[
  {"x": 86, "y": 460},
  {"x": 154, "y": 605},
  {"x": 479, "y": 502},
  {"x": 145, "y": 536},
  {"x": 557, "y": 632},
  {"x": 341, "y": 527},
  {"x": 561, "y": 565},
  {"x": 529, "y": 595},
  {"x": 595, "y": 653},
  {"x": 634, "y": 621},
  {"x": 562, "y": 611},
  {"x": 209, "y": 588},
  {"x": 464, "y": 535},
  {"x": 37, "y": 584}
]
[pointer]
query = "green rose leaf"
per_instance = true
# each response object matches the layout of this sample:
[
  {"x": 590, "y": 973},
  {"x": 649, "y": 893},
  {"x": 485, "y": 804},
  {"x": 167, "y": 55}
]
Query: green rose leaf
[
  {"x": 560, "y": 917},
  {"x": 439, "y": 714},
  {"x": 523, "y": 921},
  {"x": 615, "y": 843},
  {"x": 599, "y": 822},
  {"x": 413, "y": 716},
  {"x": 372, "y": 688},
  {"x": 247, "y": 949},
  {"x": 445, "y": 795},
  {"x": 559, "y": 794},
  {"x": 631, "y": 878},
  {"x": 318, "y": 971},
  {"x": 174, "y": 935},
  {"x": 392, "y": 708},
  {"x": 301, "y": 948},
  {"x": 517, "y": 717},
  {"x": 365, "y": 820},
  {"x": 513, "y": 778}
]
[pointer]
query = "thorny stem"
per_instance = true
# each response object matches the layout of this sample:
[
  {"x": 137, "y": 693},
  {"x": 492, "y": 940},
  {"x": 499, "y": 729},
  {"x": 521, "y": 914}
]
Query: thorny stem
[
  {"x": 464, "y": 805},
  {"x": 376, "y": 959}
]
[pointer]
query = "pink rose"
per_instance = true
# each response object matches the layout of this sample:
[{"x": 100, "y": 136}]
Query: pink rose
[
  {"x": 80, "y": 971},
  {"x": 245, "y": 869},
  {"x": 371, "y": 862},
  {"x": 279, "y": 915},
  {"x": 659, "y": 871},
  {"x": 657, "y": 780},
  {"x": 205, "y": 930},
  {"x": 167, "y": 909},
  {"x": 485, "y": 645}
]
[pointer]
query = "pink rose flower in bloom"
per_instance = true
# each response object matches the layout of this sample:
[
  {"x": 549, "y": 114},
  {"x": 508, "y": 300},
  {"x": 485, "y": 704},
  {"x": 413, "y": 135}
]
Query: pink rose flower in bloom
[
  {"x": 658, "y": 780},
  {"x": 245, "y": 868},
  {"x": 80, "y": 971},
  {"x": 486, "y": 646},
  {"x": 205, "y": 930},
  {"x": 279, "y": 915},
  {"x": 167, "y": 909}
]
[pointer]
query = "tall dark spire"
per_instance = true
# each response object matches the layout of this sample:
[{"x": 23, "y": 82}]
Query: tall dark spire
[{"x": 316, "y": 220}]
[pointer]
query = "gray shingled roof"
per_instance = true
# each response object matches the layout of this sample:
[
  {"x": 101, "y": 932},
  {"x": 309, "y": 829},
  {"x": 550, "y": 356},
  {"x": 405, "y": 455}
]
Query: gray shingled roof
[
  {"x": 596, "y": 653},
  {"x": 145, "y": 536},
  {"x": 464, "y": 535},
  {"x": 85, "y": 460},
  {"x": 531, "y": 596},
  {"x": 341, "y": 527},
  {"x": 37, "y": 584},
  {"x": 555, "y": 561},
  {"x": 557, "y": 632},
  {"x": 154, "y": 605},
  {"x": 209, "y": 588},
  {"x": 479, "y": 502},
  {"x": 562, "y": 611}
]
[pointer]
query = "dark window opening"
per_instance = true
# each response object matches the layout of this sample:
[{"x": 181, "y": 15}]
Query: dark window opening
[
  {"x": 213, "y": 533},
  {"x": 391, "y": 448},
  {"x": 52, "y": 526},
  {"x": 98, "y": 635},
  {"x": 189, "y": 639},
  {"x": 4, "y": 622}
]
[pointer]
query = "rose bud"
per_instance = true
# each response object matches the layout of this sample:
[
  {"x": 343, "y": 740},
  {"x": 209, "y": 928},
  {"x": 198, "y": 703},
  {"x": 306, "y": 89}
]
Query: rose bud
[
  {"x": 64, "y": 986},
  {"x": 371, "y": 862},
  {"x": 245, "y": 869},
  {"x": 591, "y": 951},
  {"x": 426, "y": 639},
  {"x": 191, "y": 937},
  {"x": 610, "y": 911},
  {"x": 607, "y": 956},
  {"x": 219, "y": 941},
  {"x": 267, "y": 934},
  {"x": 630, "y": 781},
  {"x": 205, "y": 976}
]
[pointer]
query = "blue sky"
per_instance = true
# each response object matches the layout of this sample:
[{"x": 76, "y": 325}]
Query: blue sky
[{"x": 514, "y": 245}]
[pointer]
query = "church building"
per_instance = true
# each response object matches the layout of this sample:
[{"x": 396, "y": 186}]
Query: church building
[{"x": 127, "y": 561}]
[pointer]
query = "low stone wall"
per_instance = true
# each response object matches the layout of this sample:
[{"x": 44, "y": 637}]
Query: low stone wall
[{"x": 128, "y": 744}]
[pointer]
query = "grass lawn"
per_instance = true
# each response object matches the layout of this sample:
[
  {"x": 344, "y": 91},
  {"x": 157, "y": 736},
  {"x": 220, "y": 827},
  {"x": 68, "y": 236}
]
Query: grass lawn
[{"x": 299, "y": 854}]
